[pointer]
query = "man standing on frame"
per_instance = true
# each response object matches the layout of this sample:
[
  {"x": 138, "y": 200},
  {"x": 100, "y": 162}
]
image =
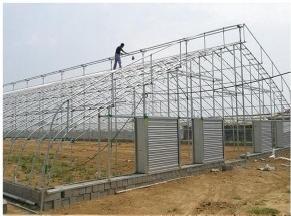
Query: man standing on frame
[{"x": 119, "y": 51}]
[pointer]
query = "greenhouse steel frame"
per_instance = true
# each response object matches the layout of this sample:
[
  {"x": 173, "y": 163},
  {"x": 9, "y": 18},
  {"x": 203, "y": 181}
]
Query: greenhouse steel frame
[{"x": 224, "y": 74}]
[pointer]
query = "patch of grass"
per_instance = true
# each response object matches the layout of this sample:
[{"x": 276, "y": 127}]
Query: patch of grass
[
  {"x": 172, "y": 210},
  {"x": 264, "y": 211},
  {"x": 237, "y": 197}
]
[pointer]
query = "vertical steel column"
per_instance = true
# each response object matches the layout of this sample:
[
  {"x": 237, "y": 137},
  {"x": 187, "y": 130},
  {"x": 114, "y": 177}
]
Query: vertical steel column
[
  {"x": 187, "y": 97},
  {"x": 168, "y": 93},
  {"x": 143, "y": 87},
  {"x": 14, "y": 110},
  {"x": 213, "y": 81},
  {"x": 180, "y": 54},
  {"x": 62, "y": 75},
  {"x": 242, "y": 85},
  {"x": 142, "y": 53},
  {"x": 232, "y": 120},
  {"x": 200, "y": 87},
  {"x": 204, "y": 40},
  {"x": 68, "y": 117},
  {"x": 263, "y": 94},
  {"x": 178, "y": 93},
  {"x": 259, "y": 88},
  {"x": 109, "y": 142},
  {"x": 178, "y": 121},
  {"x": 191, "y": 90},
  {"x": 98, "y": 156},
  {"x": 222, "y": 99},
  {"x": 222, "y": 84},
  {"x": 112, "y": 90},
  {"x": 84, "y": 106},
  {"x": 143, "y": 100},
  {"x": 281, "y": 98},
  {"x": 236, "y": 98},
  {"x": 271, "y": 101},
  {"x": 187, "y": 86},
  {"x": 223, "y": 36},
  {"x": 26, "y": 112},
  {"x": 251, "y": 88},
  {"x": 113, "y": 105},
  {"x": 134, "y": 108},
  {"x": 84, "y": 70},
  {"x": 152, "y": 83}
]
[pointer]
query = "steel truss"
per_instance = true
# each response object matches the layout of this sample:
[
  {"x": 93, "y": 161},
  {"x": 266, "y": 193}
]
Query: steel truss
[{"x": 228, "y": 80}]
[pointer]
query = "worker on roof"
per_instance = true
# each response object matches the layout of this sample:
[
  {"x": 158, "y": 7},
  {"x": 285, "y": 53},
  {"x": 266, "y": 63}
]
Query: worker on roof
[{"x": 119, "y": 51}]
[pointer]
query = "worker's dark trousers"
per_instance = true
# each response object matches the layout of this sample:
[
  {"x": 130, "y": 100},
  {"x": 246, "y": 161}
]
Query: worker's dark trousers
[{"x": 117, "y": 60}]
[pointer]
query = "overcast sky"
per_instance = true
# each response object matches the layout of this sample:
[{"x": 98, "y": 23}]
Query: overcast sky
[{"x": 40, "y": 38}]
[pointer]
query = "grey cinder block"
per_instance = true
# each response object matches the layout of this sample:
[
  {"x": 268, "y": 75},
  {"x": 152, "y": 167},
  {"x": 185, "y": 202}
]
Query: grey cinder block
[
  {"x": 101, "y": 187},
  {"x": 113, "y": 184},
  {"x": 48, "y": 205},
  {"x": 77, "y": 198},
  {"x": 67, "y": 193},
  {"x": 119, "y": 184},
  {"x": 88, "y": 189},
  {"x": 65, "y": 202},
  {"x": 82, "y": 190},
  {"x": 94, "y": 195},
  {"x": 57, "y": 203},
  {"x": 124, "y": 182},
  {"x": 106, "y": 185},
  {"x": 87, "y": 196},
  {"x": 53, "y": 196},
  {"x": 95, "y": 188}
]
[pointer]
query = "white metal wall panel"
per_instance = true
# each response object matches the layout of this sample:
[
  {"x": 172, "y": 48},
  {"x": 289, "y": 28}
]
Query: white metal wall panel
[
  {"x": 286, "y": 134},
  {"x": 262, "y": 136},
  {"x": 156, "y": 144},
  {"x": 163, "y": 153},
  {"x": 208, "y": 140},
  {"x": 213, "y": 140},
  {"x": 282, "y": 133}
]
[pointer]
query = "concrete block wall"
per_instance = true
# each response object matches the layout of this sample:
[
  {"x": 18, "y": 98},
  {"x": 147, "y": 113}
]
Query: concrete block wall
[
  {"x": 22, "y": 191},
  {"x": 67, "y": 194}
]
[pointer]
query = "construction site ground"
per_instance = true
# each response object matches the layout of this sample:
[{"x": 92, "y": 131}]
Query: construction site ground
[{"x": 244, "y": 190}]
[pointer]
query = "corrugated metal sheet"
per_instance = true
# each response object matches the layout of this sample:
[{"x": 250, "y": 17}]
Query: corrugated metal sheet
[
  {"x": 212, "y": 140},
  {"x": 282, "y": 133},
  {"x": 163, "y": 153},
  {"x": 262, "y": 136},
  {"x": 208, "y": 140},
  {"x": 286, "y": 134}
]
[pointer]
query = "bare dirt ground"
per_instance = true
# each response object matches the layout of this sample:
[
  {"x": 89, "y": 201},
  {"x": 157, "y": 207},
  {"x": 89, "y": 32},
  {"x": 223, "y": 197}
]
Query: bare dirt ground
[
  {"x": 236, "y": 192},
  {"x": 67, "y": 160}
]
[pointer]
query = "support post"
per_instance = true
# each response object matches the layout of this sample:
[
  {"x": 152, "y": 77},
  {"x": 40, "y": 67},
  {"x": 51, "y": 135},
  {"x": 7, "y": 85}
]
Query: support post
[
  {"x": 109, "y": 143},
  {"x": 98, "y": 159},
  {"x": 134, "y": 108},
  {"x": 152, "y": 84},
  {"x": 191, "y": 90},
  {"x": 168, "y": 93},
  {"x": 242, "y": 86},
  {"x": 236, "y": 98},
  {"x": 213, "y": 84},
  {"x": 222, "y": 84},
  {"x": 200, "y": 87}
]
